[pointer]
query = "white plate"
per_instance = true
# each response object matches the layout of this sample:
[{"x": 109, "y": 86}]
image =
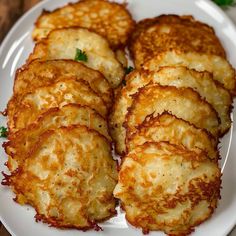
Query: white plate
[{"x": 19, "y": 220}]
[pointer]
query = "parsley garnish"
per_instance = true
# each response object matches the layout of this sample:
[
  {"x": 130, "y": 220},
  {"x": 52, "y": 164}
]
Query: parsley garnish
[
  {"x": 80, "y": 55},
  {"x": 128, "y": 70},
  {"x": 224, "y": 3},
  {"x": 3, "y": 132}
]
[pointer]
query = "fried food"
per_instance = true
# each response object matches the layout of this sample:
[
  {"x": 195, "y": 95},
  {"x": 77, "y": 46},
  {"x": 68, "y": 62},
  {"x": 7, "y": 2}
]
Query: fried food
[
  {"x": 22, "y": 141},
  {"x": 109, "y": 19},
  {"x": 166, "y": 122},
  {"x": 122, "y": 102},
  {"x": 171, "y": 76},
  {"x": 221, "y": 69},
  {"x": 169, "y": 128},
  {"x": 121, "y": 57},
  {"x": 167, "y": 187},
  {"x": 63, "y": 44},
  {"x": 202, "y": 83},
  {"x": 168, "y": 19},
  {"x": 184, "y": 103},
  {"x": 43, "y": 73},
  {"x": 164, "y": 37},
  {"x": 68, "y": 177},
  {"x": 24, "y": 111}
]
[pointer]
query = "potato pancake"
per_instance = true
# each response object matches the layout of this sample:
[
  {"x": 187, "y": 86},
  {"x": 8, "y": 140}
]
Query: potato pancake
[
  {"x": 167, "y": 187},
  {"x": 221, "y": 69},
  {"x": 93, "y": 48},
  {"x": 202, "y": 83},
  {"x": 173, "y": 76},
  {"x": 109, "y": 19},
  {"x": 122, "y": 102},
  {"x": 68, "y": 177},
  {"x": 169, "y": 128},
  {"x": 121, "y": 57},
  {"x": 24, "y": 111},
  {"x": 164, "y": 37},
  {"x": 168, "y": 19},
  {"x": 181, "y": 102},
  {"x": 22, "y": 141},
  {"x": 43, "y": 73}
]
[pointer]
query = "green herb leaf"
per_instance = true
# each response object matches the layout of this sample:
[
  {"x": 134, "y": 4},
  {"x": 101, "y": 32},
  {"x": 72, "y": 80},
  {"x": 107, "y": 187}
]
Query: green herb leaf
[
  {"x": 128, "y": 70},
  {"x": 3, "y": 132},
  {"x": 224, "y": 3},
  {"x": 80, "y": 55}
]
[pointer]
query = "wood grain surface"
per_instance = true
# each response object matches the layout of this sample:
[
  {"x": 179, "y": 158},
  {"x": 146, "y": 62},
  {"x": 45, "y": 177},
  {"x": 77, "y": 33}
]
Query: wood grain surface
[{"x": 10, "y": 11}]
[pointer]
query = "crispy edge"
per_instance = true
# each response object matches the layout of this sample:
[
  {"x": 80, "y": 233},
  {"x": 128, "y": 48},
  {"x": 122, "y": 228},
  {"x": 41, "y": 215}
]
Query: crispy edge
[
  {"x": 136, "y": 98},
  {"x": 7, "y": 181},
  {"x": 179, "y": 52},
  {"x": 150, "y": 120},
  {"x": 170, "y": 19},
  {"x": 46, "y": 134},
  {"x": 191, "y": 156},
  {"x": 113, "y": 111},
  {"x": 26, "y": 67},
  {"x": 144, "y": 73},
  {"x": 202, "y": 74},
  {"x": 40, "y": 50},
  {"x": 12, "y": 121},
  {"x": 218, "y": 48},
  {"x": 121, "y": 5},
  {"x": 13, "y": 138},
  {"x": 51, "y": 111}
]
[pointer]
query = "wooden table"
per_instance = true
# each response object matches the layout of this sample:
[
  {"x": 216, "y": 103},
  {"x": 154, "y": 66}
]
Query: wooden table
[
  {"x": 10, "y": 11},
  {"x": 14, "y": 9}
]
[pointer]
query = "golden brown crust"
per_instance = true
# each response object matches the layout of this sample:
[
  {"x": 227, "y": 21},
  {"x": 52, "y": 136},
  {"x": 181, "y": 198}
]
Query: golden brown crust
[
  {"x": 185, "y": 103},
  {"x": 24, "y": 111},
  {"x": 201, "y": 82},
  {"x": 118, "y": 111},
  {"x": 122, "y": 57},
  {"x": 42, "y": 73},
  {"x": 164, "y": 37},
  {"x": 52, "y": 176},
  {"x": 165, "y": 187},
  {"x": 222, "y": 70},
  {"x": 167, "y": 127},
  {"x": 109, "y": 19},
  {"x": 187, "y": 20},
  {"x": 72, "y": 114},
  {"x": 99, "y": 54}
]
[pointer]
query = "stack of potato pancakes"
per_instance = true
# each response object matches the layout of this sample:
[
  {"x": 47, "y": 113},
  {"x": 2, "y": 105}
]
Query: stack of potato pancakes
[
  {"x": 166, "y": 122},
  {"x": 59, "y": 145},
  {"x": 165, "y": 119}
]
